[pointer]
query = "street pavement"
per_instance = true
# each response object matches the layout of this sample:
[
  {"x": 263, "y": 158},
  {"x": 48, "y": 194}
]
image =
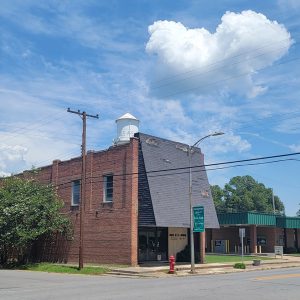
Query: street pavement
[{"x": 273, "y": 284}]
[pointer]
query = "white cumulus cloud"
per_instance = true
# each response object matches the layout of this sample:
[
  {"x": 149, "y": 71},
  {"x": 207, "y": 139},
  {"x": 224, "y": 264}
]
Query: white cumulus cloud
[
  {"x": 198, "y": 60},
  {"x": 295, "y": 148},
  {"x": 11, "y": 157}
]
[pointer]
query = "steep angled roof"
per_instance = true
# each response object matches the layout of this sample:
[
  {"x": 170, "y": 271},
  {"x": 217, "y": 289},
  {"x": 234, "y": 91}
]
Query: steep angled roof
[
  {"x": 169, "y": 190},
  {"x": 127, "y": 116},
  {"x": 145, "y": 207}
]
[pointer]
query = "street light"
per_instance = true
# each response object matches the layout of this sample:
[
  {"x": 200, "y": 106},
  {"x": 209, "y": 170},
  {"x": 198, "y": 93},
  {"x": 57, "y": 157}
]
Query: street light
[{"x": 190, "y": 148}]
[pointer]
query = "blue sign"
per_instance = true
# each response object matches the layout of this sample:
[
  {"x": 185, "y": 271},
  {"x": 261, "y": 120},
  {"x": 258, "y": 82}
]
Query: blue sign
[{"x": 198, "y": 216}]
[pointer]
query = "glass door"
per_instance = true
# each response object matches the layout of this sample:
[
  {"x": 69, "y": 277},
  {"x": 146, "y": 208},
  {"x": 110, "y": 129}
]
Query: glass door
[{"x": 153, "y": 244}]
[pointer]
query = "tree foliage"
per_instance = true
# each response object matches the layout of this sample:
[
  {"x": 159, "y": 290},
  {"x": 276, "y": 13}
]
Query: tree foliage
[
  {"x": 244, "y": 193},
  {"x": 28, "y": 210}
]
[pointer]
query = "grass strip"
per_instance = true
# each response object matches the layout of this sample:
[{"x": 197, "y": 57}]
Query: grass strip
[
  {"x": 211, "y": 258},
  {"x": 56, "y": 268}
]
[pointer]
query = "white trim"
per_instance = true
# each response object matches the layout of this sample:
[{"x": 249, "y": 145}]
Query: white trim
[
  {"x": 72, "y": 197},
  {"x": 105, "y": 188}
]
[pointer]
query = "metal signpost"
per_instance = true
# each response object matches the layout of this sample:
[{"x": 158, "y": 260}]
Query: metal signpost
[
  {"x": 242, "y": 235},
  {"x": 198, "y": 213},
  {"x": 278, "y": 250}
]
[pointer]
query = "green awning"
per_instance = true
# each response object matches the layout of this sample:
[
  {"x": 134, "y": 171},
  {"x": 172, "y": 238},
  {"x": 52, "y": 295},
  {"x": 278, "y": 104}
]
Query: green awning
[
  {"x": 288, "y": 222},
  {"x": 255, "y": 218},
  {"x": 247, "y": 218}
]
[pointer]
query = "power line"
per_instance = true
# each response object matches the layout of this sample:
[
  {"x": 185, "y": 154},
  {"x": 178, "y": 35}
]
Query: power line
[
  {"x": 62, "y": 156},
  {"x": 216, "y": 164},
  {"x": 204, "y": 167},
  {"x": 273, "y": 179},
  {"x": 44, "y": 136},
  {"x": 172, "y": 94},
  {"x": 223, "y": 80},
  {"x": 212, "y": 69},
  {"x": 66, "y": 184},
  {"x": 35, "y": 126},
  {"x": 221, "y": 61},
  {"x": 253, "y": 164}
]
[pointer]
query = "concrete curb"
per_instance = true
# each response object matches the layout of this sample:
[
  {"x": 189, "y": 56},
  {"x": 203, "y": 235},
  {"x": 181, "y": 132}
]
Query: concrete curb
[{"x": 205, "y": 269}]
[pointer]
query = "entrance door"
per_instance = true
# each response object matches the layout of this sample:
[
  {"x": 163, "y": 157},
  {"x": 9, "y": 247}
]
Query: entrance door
[
  {"x": 147, "y": 245},
  {"x": 153, "y": 243}
]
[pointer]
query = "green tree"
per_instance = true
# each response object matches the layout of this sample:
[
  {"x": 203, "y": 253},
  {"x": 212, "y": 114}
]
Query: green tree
[
  {"x": 218, "y": 197},
  {"x": 28, "y": 210},
  {"x": 244, "y": 193}
]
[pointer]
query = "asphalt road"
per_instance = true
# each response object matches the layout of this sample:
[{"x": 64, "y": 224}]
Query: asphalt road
[{"x": 272, "y": 284}]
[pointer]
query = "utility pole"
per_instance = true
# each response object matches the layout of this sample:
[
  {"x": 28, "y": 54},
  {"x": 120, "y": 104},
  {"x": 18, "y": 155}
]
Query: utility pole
[
  {"x": 192, "y": 250},
  {"x": 273, "y": 202},
  {"x": 83, "y": 116},
  {"x": 274, "y": 211}
]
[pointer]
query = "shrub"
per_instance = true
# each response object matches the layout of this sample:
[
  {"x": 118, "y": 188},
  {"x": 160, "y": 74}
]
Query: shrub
[
  {"x": 239, "y": 266},
  {"x": 290, "y": 250},
  {"x": 28, "y": 211},
  {"x": 185, "y": 255}
]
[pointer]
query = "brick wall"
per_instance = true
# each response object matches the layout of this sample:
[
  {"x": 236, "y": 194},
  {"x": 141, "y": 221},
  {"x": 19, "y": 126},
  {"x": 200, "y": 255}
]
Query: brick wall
[
  {"x": 298, "y": 238},
  {"x": 271, "y": 237},
  {"x": 290, "y": 238},
  {"x": 232, "y": 234},
  {"x": 227, "y": 233},
  {"x": 110, "y": 229}
]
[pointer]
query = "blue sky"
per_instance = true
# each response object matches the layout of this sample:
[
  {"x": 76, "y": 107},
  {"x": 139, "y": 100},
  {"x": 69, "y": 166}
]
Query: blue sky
[{"x": 184, "y": 68}]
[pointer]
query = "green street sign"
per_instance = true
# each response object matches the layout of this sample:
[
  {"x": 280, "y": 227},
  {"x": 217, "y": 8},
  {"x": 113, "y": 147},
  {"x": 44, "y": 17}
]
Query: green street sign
[{"x": 198, "y": 216}]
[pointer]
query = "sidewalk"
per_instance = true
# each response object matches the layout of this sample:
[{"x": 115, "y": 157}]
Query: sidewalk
[{"x": 205, "y": 269}]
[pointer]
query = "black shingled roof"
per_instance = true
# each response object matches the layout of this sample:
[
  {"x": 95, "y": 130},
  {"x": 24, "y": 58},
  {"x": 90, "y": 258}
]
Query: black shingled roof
[{"x": 163, "y": 196}]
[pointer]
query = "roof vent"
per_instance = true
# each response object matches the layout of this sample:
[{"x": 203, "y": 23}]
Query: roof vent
[
  {"x": 152, "y": 142},
  {"x": 182, "y": 147},
  {"x": 127, "y": 126}
]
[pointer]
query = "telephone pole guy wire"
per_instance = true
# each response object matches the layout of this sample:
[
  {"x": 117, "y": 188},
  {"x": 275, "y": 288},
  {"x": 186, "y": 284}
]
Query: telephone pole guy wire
[{"x": 83, "y": 115}]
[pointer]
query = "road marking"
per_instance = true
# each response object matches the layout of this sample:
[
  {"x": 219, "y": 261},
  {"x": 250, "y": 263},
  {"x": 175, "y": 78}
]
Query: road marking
[{"x": 277, "y": 277}]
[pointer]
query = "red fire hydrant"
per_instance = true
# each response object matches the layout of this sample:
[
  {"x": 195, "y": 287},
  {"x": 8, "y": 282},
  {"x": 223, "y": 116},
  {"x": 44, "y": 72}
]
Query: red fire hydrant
[{"x": 172, "y": 264}]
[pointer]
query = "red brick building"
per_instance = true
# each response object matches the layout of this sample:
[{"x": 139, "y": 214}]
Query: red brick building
[
  {"x": 136, "y": 205},
  {"x": 110, "y": 225}
]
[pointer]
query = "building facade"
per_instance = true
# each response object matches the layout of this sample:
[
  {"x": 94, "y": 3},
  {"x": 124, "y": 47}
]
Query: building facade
[
  {"x": 110, "y": 211},
  {"x": 262, "y": 232},
  {"x": 136, "y": 205}
]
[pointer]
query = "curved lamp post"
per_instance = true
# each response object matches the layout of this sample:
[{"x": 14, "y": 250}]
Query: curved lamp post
[{"x": 190, "y": 148}]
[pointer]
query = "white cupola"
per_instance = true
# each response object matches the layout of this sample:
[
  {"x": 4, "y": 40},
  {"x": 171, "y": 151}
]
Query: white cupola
[{"x": 127, "y": 126}]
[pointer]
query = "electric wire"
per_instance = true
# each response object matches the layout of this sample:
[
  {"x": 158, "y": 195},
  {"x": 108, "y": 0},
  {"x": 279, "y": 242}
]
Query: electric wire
[
  {"x": 222, "y": 61},
  {"x": 16, "y": 132},
  {"x": 212, "y": 69},
  {"x": 205, "y": 167},
  {"x": 135, "y": 176},
  {"x": 185, "y": 90},
  {"x": 41, "y": 125},
  {"x": 222, "y": 80}
]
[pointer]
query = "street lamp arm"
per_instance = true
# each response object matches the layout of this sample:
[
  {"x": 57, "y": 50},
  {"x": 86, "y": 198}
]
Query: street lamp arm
[{"x": 207, "y": 136}]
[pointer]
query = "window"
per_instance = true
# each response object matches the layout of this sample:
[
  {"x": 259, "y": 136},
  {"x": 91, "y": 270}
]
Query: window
[
  {"x": 108, "y": 188},
  {"x": 75, "y": 192}
]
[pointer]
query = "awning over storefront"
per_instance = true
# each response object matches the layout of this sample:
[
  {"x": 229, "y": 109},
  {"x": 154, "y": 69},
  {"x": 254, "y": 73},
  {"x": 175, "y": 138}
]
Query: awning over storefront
[
  {"x": 247, "y": 218},
  {"x": 288, "y": 222},
  {"x": 255, "y": 218}
]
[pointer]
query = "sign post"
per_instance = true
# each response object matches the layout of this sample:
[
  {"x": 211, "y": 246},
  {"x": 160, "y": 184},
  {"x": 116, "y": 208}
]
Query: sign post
[
  {"x": 242, "y": 235},
  {"x": 198, "y": 212},
  {"x": 278, "y": 250}
]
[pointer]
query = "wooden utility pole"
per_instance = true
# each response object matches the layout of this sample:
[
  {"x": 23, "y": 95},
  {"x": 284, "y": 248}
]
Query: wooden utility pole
[{"x": 83, "y": 115}]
